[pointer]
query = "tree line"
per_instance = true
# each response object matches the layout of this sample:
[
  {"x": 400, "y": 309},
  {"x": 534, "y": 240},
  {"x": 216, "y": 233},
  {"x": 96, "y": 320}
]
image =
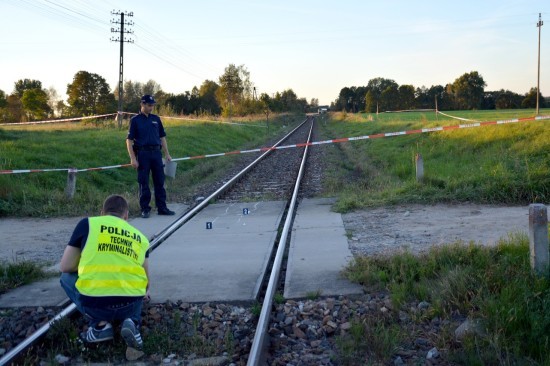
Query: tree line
[
  {"x": 233, "y": 94},
  {"x": 466, "y": 92}
]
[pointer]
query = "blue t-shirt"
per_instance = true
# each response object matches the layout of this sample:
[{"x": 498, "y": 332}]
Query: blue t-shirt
[
  {"x": 146, "y": 130},
  {"x": 78, "y": 240}
]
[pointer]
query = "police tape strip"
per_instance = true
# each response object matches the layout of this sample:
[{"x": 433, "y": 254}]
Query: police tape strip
[
  {"x": 58, "y": 120},
  {"x": 460, "y": 118},
  {"x": 412, "y": 110},
  {"x": 203, "y": 120},
  {"x": 130, "y": 114},
  {"x": 19, "y": 171},
  {"x": 332, "y": 141},
  {"x": 101, "y": 168}
]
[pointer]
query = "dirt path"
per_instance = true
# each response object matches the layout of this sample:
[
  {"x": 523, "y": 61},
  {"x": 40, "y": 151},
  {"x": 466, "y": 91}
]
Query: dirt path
[
  {"x": 35, "y": 239},
  {"x": 417, "y": 227},
  {"x": 377, "y": 230}
]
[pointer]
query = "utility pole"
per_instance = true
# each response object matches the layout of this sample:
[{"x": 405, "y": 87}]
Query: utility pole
[
  {"x": 539, "y": 26},
  {"x": 121, "y": 39}
]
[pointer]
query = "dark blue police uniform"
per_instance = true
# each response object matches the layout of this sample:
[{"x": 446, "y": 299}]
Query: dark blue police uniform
[{"x": 146, "y": 132}]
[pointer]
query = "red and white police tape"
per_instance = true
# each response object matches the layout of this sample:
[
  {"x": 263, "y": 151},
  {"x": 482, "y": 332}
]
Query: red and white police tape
[
  {"x": 333, "y": 141},
  {"x": 203, "y": 120},
  {"x": 58, "y": 120},
  {"x": 460, "y": 118}
]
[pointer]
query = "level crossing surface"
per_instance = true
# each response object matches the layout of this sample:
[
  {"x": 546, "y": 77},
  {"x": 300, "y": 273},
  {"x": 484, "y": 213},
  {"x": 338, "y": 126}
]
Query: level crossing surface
[
  {"x": 318, "y": 253},
  {"x": 222, "y": 254}
]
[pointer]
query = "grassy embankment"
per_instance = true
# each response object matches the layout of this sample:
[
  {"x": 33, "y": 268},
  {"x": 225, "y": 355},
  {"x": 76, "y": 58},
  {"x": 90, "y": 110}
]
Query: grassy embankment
[
  {"x": 508, "y": 164},
  {"x": 95, "y": 145}
]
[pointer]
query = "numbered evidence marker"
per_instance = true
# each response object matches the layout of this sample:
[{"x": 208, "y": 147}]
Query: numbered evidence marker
[
  {"x": 245, "y": 211},
  {"x": 209, "y": 225}
]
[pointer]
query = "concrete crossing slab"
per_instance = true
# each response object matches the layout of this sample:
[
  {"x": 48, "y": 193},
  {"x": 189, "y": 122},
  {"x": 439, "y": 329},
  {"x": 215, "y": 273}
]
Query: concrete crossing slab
[
  {"x": 221, "y": 254},
  {"x": 49, "y": 292},
  {"x": 227, "y": 261},
  {"x": 318, "y": 252}
]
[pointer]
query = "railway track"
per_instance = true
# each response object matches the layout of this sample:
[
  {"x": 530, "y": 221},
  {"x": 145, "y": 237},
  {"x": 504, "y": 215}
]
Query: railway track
[{"x": 275, "y": 175}]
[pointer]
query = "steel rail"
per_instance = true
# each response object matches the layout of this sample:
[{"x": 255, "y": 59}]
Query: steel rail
[
  {"x": 258, "y": 344},
  {"x": 162, "y": 236},
  {"x": 155, "y": 242},
  {"x": 35, "y": 336}
]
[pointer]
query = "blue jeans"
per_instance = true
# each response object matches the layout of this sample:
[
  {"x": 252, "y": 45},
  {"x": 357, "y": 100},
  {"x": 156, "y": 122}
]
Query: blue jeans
[{"x": 94, "y": 314}]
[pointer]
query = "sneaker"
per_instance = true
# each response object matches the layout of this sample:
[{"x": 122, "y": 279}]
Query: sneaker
[
  {"x": 130, "y": 334},
  {"x": 145, "y": 214},
  {"x": 94, "y": 335},
  {"x": 166, "y": 212}
]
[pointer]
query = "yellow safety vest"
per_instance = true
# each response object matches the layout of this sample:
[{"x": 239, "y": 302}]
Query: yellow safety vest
[{"x": 111, "y": 263}]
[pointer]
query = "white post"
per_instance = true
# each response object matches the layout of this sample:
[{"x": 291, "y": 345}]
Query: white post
[
  {"x": 71, "y": 183},
  {"x": 538, "y": 237}
]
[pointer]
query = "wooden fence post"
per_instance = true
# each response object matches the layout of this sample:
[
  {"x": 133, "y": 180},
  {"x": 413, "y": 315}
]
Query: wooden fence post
[{"x": 538, "y": 237}]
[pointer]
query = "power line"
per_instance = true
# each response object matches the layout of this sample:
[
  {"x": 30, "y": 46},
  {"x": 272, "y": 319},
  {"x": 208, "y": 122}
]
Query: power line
[
  {"x": 77, "y": 12},
  {"x": 161, "y": 43},
  {"x": 165, "y": 56},
  {"x": 168, "y": 62},
  {"x": 97, "y": 11},
  {"x": 83, "y": 16},
  {"x": 52, "y": 12}
]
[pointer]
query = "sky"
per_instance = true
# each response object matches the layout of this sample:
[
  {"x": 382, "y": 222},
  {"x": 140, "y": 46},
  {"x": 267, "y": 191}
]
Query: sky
[{"x": 313, "y": 47}]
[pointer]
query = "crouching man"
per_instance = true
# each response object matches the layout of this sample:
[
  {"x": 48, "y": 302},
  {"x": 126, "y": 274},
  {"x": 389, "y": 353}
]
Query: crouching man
[{"x": 105, "y": 273}]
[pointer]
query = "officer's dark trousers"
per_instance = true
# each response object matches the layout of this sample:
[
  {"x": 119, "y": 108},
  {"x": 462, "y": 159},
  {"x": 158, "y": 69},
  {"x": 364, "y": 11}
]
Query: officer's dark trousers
[{"x": 151, "y": 161}]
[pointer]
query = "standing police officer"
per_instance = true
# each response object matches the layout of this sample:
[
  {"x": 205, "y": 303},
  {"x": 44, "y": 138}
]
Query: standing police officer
[{"x": 145, "y": 140}]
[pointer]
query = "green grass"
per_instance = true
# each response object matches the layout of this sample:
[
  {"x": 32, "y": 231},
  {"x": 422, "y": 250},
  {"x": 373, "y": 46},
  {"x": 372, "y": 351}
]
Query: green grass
[
  {"x": 256, "y": 309},
  {"x": 493, "y": 284},
  {"x": 369, "y": 340},
  {"x": 279, "y": 298},
  {"x": 314, "y": 295},
  {"x": 178, "y": 332},
  {"x": 16, "y": 274},
  {"x": 91, "y": 144},
  {"x": 507, "y": 164}
]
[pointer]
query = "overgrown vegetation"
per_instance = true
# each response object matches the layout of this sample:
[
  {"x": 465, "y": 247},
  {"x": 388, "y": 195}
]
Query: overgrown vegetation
[
  {"x": 178, "y": 334},
  {"x": 494, "y": 285},
  {"x": 102, "y": 144},
  {"x": 175, "y": 331},
  {"x": 373, "y": 339},
  {"x": 279, "y": 298},
  {"x": 505, "y": 164},
  {"x": 20, "y": 273}
]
